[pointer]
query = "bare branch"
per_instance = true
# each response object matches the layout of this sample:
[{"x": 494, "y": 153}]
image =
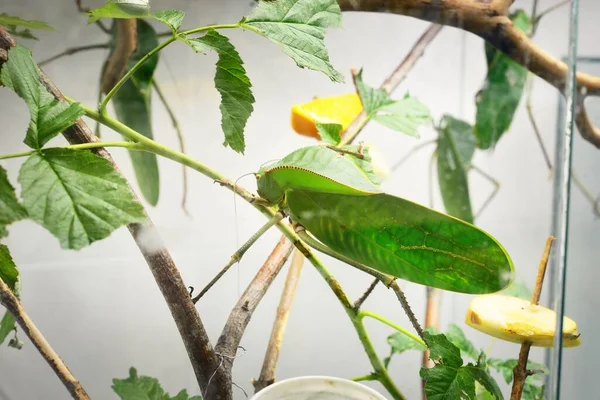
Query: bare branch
[
  {"x": 73, "y": 50},
  {"x": 267, "y": 373},
  {"x": 358, "y": 303},
  {"x": 10, "y": 301}
]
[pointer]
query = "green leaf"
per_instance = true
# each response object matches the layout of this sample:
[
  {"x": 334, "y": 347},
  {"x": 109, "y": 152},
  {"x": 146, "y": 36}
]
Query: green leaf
[
  {"x": 77, "y": 196},
  {"x": 449, "y": 379},
  {"x": 330, "y": 133},
  {"x": 232, "y": 83},
  {"x": 298, "y": 27},
  {"x": 499, "y": 98},
  {"x": 405, "y": 115},
  {"x": 10, "y": 209},
  {"x": 120, "y": 9},
  {"x": 13, "y": 22},
  {"x": 10, "y": 275},
  {"x": 400, "y": 343},
  {"x": 145, "y": 388},
  {"x": 458, "y": 338},
  {"x": 518, "y": 289},
  {"x": 7, "y": 325},
  {"x": 171, "y": 18},
  {"x": 133, "y": 107},
  {"x": 49, "y": 116},
  {"x": 456, "y": 145},
  {"x": 505, "y": 367},
  {"x": 367, "y": 164}
]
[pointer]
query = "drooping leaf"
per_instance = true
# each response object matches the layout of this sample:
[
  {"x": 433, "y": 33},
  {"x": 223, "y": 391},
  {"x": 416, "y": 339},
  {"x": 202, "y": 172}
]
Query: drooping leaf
[
  {"x": 458, "y": 338},
  {"x": 401, "y": 343},
  {"x": 171, "y": 18},
  {"x": 77, "y": 196},
  {"x": 10, "y": 208},
  {"x": 7, "y": 325},
  {"x": 120, "y": 9},
  {"x": 405, "y": 115},
  {"x": 330, "y": 133},
  {"x": 456, "y": 145},
  {"x": 49, "y": 116},
  {"x": 232, "y": 83},
  {"x": 449, "y": 379},
  {"x": 145, "y": 388},
  {"x": 499, "y": 98},
  {"x": 133, "y": 107},
  {"x": 10, "y": 275},
  {"x": 518, "y": 289},
  {"x": 298, "y": 27},
  {"x": 12, "y": 21}
]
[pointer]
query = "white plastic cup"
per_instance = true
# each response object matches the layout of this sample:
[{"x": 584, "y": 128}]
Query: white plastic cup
[{"x": 317, "y": 388}]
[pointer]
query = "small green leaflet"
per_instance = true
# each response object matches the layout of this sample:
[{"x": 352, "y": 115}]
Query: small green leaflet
[
  {"x": 458, "y": 338},
  {"x": 497, "y": 101},
  {"x": 405, "y": 115},
  {"x": 133, "y": 107},
  {"x": 49, "y": 116},
  {"x": 77, "y": 196},
  {"x": 449, "y": 379},
  {"x": 330, "y": 133},
  {"x": 400, "y": 343},
  {"x": 298, "y": 27},
  {"x": 10, "y": 275},
  {"x": 232, "y": 83},
  {"x": 171, "y": 18},
  {"x": 136, "y": 9},
  {"x": 10, "y": 209},
  {"x": 456, "y": 145},
  {"x": 145, "y": 388},
  {"x": 12, "y": 23}
]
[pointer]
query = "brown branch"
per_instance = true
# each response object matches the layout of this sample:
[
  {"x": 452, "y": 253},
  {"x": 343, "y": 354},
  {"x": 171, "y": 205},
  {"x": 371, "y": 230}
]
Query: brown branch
[
  {"x": 360, "y": 301},
  {"x": 520, "y": 372},
  {"x": 200, "y": 352},
  {"x": 239, "y": 317},
  {"x": 74, "y": 50},
  {"x": 12, "y": 304},
  {"x": 267, "y": 373},
  {"x": 126, "y": 42},
  {"x": 489, "y": 20}
]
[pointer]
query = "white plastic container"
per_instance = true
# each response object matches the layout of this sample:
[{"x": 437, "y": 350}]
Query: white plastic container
[{"x": 317, "y": 388}]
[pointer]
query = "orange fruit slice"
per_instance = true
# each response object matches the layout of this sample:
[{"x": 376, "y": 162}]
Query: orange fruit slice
[{"x": 341, "y": 109}]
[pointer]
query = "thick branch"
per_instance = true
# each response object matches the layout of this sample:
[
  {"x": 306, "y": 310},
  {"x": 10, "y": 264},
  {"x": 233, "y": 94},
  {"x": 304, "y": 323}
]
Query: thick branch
[
  {"x": 239, "y": 318},
  {"x": 126, "y": 42},
  {"x": 12, "y": 304},
  {"x": 489, "y": 20},
  {"x": 200, "y": 352}
]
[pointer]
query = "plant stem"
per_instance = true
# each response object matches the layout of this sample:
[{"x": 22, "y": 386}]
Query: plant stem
[
  {"x": 366, "y": 313},
  {"x": 359, "y": 302},
  {"x": 12, "y": 304},
  {"x": 73, "y": 50},
  {"x": 84, "y": 146},
  {"x": 210, "y": 27},
  {"x": 367, "y": 377}
]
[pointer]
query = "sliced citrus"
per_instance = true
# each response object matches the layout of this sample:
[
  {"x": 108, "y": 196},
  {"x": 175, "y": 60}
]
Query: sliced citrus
[
  {"x": 341, "y": 109},
  {"x": 517, "y": 320}
]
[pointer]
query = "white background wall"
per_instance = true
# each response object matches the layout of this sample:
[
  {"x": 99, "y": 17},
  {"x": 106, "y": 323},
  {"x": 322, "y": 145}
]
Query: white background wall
[{"x": 100, "y": 307}]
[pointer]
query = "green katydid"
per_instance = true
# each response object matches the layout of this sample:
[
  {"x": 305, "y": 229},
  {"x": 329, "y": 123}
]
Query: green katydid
[{"x": 327, "y": 193}]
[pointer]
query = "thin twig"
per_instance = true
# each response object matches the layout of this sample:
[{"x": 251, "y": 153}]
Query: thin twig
[
  {"x": 242, "y": 312},
  {"x": 395, "y": 78},
  {"x": 267, "y": 373},
  {"x": 180, "y": 139},
  {"x": 520, "y": 372},
  {"x": 12, "y": 304},
  {"x": 409, "y": 312},
  {"x": 73, "y": 50},
  {"x": 358, "y": 303}
]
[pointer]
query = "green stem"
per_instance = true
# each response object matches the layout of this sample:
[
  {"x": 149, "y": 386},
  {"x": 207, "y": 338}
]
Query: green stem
[
  {"x": 209, "y": 27},
  {"x": 128, "y": 145},
  {"x": 368, "y": 377},
  {"x": 365, "y": 313}
]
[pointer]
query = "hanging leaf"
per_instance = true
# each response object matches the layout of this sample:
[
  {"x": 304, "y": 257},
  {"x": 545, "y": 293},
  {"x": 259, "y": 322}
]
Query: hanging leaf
[
  {"x": 49, "y": 116},
  {"x": 171, "y": 18},
  {"x": 145, "y": 388},
  {"x": 456, "y": 145},
  {"x": 133, "y": 107},
  {"x": 77, "y": 196},
  {"x": 10, "y": 275},
  {"x": 330, "y": 133},
  {"x": 449, "y": 379},
  {"x": 298, "y": 27},
  {"x": 232, "y": 83},
  {"x": 10, "y": 209},
  {"x": 405, "y": 115},
  {"x": 502, "y": 90}
]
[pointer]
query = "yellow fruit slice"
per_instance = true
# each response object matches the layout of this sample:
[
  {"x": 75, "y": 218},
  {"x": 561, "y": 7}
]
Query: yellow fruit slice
[
  {"x": 341, "y": 109},
  {"x": 517, "y": 320}
]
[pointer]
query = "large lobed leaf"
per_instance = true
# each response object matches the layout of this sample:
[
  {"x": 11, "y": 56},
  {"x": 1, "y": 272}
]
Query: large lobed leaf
[
  {"x": 456, "y": 145},
  {"x": 10, "y": 275},
  {"x": 10, "y": 208},
  {"x": 77, "y": 196},
  {"x": 449, "y": 379},
  {"x": 232, "y": 83},
  {"x": 405, "y": 115},
  {"x": 298, "y": 27},
  {"x": 133, "y": 107},
  {"x": 145, "y": 388},
  {"x": 49, "y": 116},
  {"x": 501, "y": 93}
]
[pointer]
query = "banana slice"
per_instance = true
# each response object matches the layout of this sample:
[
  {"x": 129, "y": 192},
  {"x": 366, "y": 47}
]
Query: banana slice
[{"x": 517, "y": 320}]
